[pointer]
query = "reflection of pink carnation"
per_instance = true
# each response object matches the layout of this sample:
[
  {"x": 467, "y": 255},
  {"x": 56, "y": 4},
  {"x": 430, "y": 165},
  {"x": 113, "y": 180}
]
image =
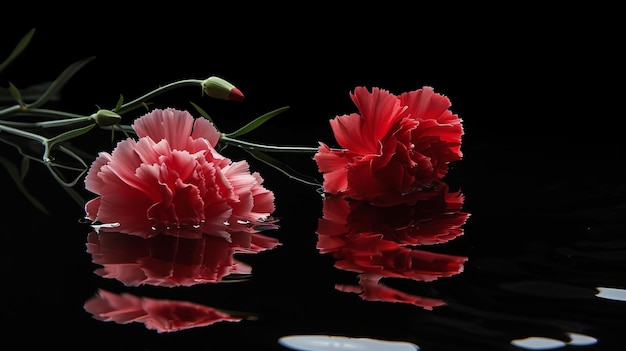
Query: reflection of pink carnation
[
  {"x": 166, "y": 260},
  {"x": 172, "y": 180},
  {"x": 160, "y": 315}
]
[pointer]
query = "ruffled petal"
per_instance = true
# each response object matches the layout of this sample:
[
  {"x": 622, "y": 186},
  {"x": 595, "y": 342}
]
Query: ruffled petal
[{"x": 170, "y": 124}]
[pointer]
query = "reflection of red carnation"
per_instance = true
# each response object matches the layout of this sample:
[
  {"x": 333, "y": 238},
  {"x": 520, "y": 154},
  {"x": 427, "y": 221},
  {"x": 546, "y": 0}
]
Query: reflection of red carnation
[
  {"x": 370, "y": 253},
  {"x": 371, "y": 289},
  {"x": 167, "y": 260},
  {"x": 378, "y": 242},
  {"x": 160, "y": 315},
  {"x": 394, "y": 148},
  {"x": 435, "y": 218},
  {"x": 172, "y": 180}
]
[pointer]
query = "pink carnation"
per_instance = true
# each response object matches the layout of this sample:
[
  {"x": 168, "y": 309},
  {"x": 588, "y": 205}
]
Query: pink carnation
[{"x": 173, "y": 181}]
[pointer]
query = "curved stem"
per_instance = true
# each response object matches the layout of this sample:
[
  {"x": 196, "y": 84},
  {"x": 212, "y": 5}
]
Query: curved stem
[
  {"x": 42, "y": 139},
  {"x": 283, "y": 168},
  {"x": 141, "y": 100},
  {"x": 23, "y": 133},
  {"x": 267, "y": 148}
]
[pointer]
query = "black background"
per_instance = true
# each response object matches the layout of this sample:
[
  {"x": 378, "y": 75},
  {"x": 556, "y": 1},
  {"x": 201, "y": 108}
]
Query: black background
[{"x": 538, "y": 90}]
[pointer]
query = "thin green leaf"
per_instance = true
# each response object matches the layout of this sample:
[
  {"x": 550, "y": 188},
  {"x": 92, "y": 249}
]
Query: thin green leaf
[
  {"x": 202, "y": 112},
  {"x": 120, "y": 102},
  {"x": 63, "y": 137},
  {"x": 257, "y": 122},
  {"x": 283, "y": 168},
  {"x": 21, "y": 45},
  {"x": 113, "y": 134},
  {"x": 24, "y": 166},
  {"x": 58, "y": 84},
  {"x": 145, "y": 105},
  {"x": 16, "y": 94},
  {"x": 15, "y": 176},
  {"x": 71, "y": 134},
  {"x": 124, "y": 128}
]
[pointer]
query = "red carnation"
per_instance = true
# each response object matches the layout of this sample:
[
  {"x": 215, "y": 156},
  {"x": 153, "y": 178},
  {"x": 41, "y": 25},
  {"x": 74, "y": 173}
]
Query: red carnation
[{"x": 394, "y": 148}]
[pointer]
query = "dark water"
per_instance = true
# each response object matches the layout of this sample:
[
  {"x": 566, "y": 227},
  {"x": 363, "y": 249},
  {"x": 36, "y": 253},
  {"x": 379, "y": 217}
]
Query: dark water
[{"x": 542, "y": 179}]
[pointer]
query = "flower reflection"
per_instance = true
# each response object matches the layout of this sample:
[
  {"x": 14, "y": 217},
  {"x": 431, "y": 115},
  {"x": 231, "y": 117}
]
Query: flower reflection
[
  {"x": 170, "y": 261},
  {"x": 160, "y": 315},
  {"x": 379, "y": 242},
  {"x": 167, "y": 261}
]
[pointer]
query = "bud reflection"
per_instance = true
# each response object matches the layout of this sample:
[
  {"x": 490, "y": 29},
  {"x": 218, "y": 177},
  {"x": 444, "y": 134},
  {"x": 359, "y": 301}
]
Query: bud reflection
[{"x": 379, "y": 242}]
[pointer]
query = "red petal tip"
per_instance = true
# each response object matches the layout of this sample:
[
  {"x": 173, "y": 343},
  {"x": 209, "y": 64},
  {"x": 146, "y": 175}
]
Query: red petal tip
[{"x": 235, "y": 95}]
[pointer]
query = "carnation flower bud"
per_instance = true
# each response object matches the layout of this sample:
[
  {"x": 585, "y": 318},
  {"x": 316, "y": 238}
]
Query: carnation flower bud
[
  {"x": 106, "y": 118},
  {"x": 220, "y": 89}
]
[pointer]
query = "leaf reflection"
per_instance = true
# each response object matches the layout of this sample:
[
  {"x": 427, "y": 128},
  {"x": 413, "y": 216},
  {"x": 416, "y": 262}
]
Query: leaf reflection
[{"x": 380, "y": 242}]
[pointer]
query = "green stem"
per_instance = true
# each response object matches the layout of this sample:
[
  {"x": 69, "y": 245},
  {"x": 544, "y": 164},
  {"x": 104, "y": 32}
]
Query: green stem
[
  {"x": 48, "y": 124},
  {"x": 4, "y": 128},
  {"x": 25, "y": 110},
  {"x": 267, "y": 148},
  {"x": 141, "y": 100},
  {"x": 43, "y": 140}
]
